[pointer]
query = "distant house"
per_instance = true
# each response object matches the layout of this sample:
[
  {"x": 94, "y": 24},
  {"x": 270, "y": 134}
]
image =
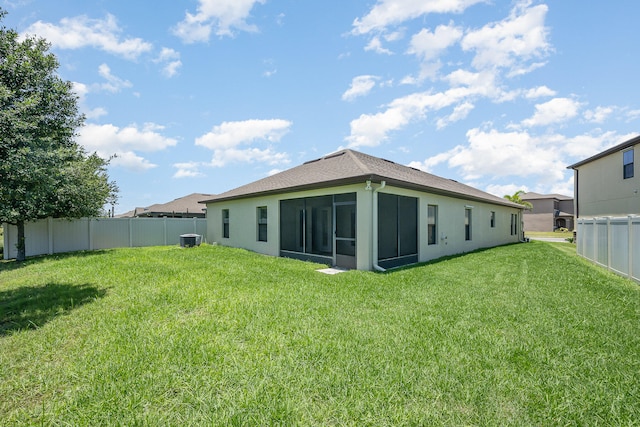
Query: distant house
[
  {"x": 548, "y": 213},
  {"x": 353, "y": 210},
  {"x": 606, "y": 184},
  {"x": 182, "y": 207}
]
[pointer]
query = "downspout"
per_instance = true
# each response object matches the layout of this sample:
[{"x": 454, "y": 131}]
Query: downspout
[{"x": 375, "y": 227}]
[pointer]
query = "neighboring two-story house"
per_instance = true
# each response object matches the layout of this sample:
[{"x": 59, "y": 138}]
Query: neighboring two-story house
[
  {"x": 548, "y": 213},
  {"x": 607, "y": 207},
  {"x": 606, "y": 184}
]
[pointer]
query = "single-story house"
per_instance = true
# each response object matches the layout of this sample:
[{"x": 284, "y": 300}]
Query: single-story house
[
  {"x": 352, "y": 210},
  {"x": 182, "y": 207},
  {"x": 548, "y": 212}
]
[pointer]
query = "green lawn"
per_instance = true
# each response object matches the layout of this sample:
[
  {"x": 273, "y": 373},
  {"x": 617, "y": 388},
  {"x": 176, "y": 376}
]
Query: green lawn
[
  {"x": 560, "y": 234},
  {"x": 525, "y": 334}
]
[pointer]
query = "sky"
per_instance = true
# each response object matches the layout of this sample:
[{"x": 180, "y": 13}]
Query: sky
[{"x": 207, "y": 95}]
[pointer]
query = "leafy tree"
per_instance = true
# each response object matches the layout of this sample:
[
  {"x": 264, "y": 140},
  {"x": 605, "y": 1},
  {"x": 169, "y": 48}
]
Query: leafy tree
[
  {"x": 515, "y": 198},
  {"x": 43, "y": 170}
]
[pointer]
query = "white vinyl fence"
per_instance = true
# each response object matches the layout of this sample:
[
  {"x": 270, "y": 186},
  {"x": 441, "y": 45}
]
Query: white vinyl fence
[
  {"x": 613, "y": 243},
  {"x": 51, "y": 236}
]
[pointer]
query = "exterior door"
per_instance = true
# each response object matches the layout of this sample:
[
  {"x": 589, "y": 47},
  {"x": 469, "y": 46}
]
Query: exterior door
[{"x": 345, "y": 234}]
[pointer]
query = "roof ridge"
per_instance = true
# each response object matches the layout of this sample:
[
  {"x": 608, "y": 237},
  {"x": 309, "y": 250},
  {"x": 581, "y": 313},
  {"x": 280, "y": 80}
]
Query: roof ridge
[{"x": 354, "y": 156}]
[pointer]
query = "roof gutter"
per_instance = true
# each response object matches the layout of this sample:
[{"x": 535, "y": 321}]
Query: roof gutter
[{"x": 374, "y": 231}]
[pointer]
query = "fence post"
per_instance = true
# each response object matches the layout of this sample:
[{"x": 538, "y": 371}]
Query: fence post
[
  {"x": 90, "y": 233},
  {"x": 630, "y": 242},
  {"x": 594, "y": 247},
  {"x": 5, "y": 238},
  {"x": 130, "y": 233},
  {"x": 165, "y": 230},
  {"x": 50, "y": 234},
  {"x": 608, "y": 242}
]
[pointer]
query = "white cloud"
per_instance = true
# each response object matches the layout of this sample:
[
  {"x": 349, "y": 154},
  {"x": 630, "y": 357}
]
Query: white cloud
[
  {"x": 632, "y": 115},
  {"x": 232, "y": 134},
  {"x": 502, "y": 154},
  {"x": 227, "y": 138},
  {"x": 557, "y": 110},
  {"x": 170, "y": 61},
  {"x": 370, "y": 130},
  {"x": 428, "y": 46},
  {"x": 511, "y": 42},
  {"x": 131, "y": 161},
  {"x": 223, "y": 157},
  {"x": 274, "y": 171},
  {"x": 188, "y": 170},
  {"x": 431, "y": 162},
  {"x": 495, "y": 155},
  {"x": 459, "y": 112},
  {"x": 82, "y": 90},
  {"x": 219, "y": 16},
  {"x": 539, "y": 92},
  {"x": 271, "y": 69},
  {"x": 82, "y": 31},
  {"x": 598, "y": 115},
  {"x": 393, "y": 12},
  {"x": 108, "y": 140},
  {"x": 566, "y": 188},
  {"x": 360, "y": 86},
  {"x": 504, "y": 189},
  {"x": 171, "y": 69},
  {"x": 114, "y": 84},
  {"x": 376, "y": 45},
  {"x": 584, "y": 146},
  {"x": 95, "y": 113}
]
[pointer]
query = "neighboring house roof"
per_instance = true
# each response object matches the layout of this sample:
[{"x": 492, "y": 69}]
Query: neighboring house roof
[
  {"x": 350, "y": 167},
  {"x": 626, "y": 144},
  {"x": 182, "y": 205},
  {"x": 537, "y": 196}
]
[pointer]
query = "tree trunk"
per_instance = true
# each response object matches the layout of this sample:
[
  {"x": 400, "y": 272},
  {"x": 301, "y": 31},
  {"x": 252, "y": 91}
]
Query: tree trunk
[{"x": 20, "y": 245}]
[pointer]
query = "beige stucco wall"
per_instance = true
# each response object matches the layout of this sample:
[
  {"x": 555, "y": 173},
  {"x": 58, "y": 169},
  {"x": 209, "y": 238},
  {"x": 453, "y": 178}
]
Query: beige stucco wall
[
  {"x": 602, "y": 191},
  {"x": 451, "y": 212},
  {"x": 538, "y": 222}
]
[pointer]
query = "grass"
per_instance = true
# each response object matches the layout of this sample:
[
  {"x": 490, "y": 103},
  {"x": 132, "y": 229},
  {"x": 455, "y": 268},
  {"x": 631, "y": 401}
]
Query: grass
[
  {"x": 560, "y": 234},
  {"x": 525, "y": 334}
]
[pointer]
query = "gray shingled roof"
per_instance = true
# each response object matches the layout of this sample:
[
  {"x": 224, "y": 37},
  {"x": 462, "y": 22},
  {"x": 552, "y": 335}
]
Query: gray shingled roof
[
  {"x": 181, "y": 205},
  {"x": 535, "y": 196},
  {"x": 349, "y": 167}
]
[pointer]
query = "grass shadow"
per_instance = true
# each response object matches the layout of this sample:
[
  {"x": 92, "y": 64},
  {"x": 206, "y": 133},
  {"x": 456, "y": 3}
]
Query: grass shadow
[
  {"x": 443, "y": 259},
  {"x": 30, "y": 307},
  {"x": 12, "y": 264}
]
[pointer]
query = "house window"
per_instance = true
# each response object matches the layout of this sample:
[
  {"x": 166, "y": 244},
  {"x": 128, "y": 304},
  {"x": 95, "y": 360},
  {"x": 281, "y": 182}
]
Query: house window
[
  {"x": 493, "y": 219},
  {"x": 467, "y": 224},
  {"x": 432, "y": 224},
  {"x": 514, "y": 224},
  {"x": 262, "y": 223},
  {"x": 225, "y": 223},
  {"x": 627, "y": 164}
]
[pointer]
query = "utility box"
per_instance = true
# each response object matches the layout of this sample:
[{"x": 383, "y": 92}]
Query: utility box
[{"x": 189, "y": 240}]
